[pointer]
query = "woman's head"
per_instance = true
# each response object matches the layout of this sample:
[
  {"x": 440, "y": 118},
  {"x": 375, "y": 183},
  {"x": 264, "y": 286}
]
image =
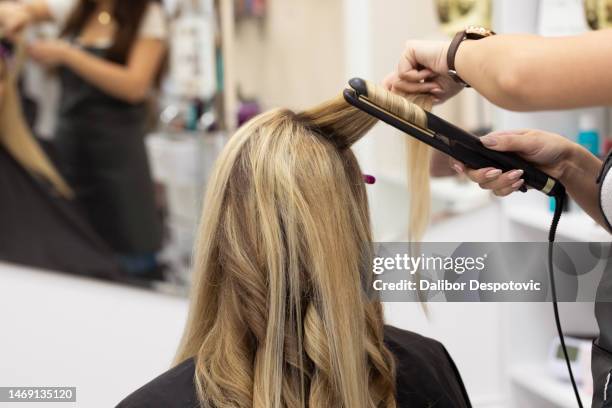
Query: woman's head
[
  {"x": 279, "y": 315},
  {"x": 127, "y": 15}
]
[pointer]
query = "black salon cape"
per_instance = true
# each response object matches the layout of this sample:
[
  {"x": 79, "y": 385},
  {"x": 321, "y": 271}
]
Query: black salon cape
[
  {"x": 40, "y": 229},
  {"x": 426, "y": 377}
]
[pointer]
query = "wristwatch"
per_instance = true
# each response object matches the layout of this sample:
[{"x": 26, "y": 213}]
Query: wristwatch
[{"x": 470, "y": 33}]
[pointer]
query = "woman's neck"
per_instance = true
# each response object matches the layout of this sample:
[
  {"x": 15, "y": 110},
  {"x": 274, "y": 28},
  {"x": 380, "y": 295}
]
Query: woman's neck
[{"x": 105, "y": 5}]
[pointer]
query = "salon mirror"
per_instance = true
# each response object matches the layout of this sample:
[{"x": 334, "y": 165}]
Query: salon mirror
[
  {"x": 455, "y": 15},
  {"x": 598, "y": 13},
  {"x": 272, "y": 64},
  {"x": 182, "y": 129}
]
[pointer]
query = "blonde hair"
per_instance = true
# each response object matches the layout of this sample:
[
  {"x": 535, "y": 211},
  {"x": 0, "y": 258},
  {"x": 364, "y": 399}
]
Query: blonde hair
[
  {"x": 15, "y": 135},
  {"x": 418, "y": 155},
  {"x": 281, "y": 314}
]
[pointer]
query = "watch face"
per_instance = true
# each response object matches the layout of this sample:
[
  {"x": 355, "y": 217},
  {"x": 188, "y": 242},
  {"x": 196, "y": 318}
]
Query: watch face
[{"x": 481, "y": 31}]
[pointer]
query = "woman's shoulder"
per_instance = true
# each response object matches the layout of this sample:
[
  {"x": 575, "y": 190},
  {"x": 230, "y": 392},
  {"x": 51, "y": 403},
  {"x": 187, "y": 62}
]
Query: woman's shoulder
[
  {"x": 426, "y": 374},
  {"x": 60, "y": 10},
  {"x": 173, "y": 389},
  {"x": 154, "y": 24}
]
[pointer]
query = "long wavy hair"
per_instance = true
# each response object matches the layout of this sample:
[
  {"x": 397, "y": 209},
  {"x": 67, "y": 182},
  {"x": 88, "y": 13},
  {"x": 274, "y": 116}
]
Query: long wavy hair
[
  {"x": 280, "y": 312},
  {"x": 15, "y": 135}
]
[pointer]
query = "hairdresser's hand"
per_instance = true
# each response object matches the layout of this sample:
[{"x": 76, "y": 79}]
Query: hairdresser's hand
[
  {"x": 548, "y": 151},
  {"x": 423, "y": 69},
  {"x": 14, "y": 17},
  {"x": 49, "y": 53}
]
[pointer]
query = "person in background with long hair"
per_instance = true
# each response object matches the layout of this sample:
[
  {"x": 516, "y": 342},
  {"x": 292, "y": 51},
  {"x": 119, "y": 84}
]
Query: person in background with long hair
[
  {"x": 281, "y": 311},
  {"x": 109, "y": 58}
]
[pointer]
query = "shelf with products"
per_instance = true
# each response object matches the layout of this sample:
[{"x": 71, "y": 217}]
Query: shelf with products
[
  {"x": 199, "y": 62},
  {"x": 575, "y": 225},
  {"x": 536, "y": 379}
]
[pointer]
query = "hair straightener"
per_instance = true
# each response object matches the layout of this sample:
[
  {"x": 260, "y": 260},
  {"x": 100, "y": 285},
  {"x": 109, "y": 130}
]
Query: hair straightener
[
  {"x": 468, "y": 149},
  {"x": 455, "y": 142}
]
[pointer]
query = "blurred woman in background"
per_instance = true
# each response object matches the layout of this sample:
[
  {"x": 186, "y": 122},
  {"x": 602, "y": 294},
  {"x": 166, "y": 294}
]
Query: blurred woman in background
[{"x": 109, "y": 58}]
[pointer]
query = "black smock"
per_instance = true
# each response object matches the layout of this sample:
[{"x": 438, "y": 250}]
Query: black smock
[
  {"x": 44, "y": 230},
  {"x": 101, "y": 151},
  {"x": 426, "y": 377}
]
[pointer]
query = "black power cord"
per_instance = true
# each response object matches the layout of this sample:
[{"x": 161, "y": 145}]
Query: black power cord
[{"x": 559, "y": 204}]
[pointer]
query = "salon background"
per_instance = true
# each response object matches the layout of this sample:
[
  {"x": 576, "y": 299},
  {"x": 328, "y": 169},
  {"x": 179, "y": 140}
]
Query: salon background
[{"x": 230, "y": 60}]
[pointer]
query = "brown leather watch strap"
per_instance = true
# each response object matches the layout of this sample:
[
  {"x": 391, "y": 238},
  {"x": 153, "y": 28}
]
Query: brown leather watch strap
[
  {"x": 452, "y": 49},
  {"x": 470, "y": 33}
]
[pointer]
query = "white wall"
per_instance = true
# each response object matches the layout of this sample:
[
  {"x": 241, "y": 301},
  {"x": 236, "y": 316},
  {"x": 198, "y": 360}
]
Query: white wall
[
  {"x": 105, "y": 339},
  {"x": 294, "y": 58}
]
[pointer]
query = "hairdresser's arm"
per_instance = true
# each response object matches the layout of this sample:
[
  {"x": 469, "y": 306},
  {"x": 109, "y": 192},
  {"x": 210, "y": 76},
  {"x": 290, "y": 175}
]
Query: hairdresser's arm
[
  {"x": 131, "y": 82},
  {"x": 521, "y": 72},
  {"x": 574, "y": 166},
  {"x": 524, "y": 72}
]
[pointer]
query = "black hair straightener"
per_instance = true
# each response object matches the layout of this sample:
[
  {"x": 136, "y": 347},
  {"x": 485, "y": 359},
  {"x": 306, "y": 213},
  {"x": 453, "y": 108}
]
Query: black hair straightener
[
  {"x": 455, "y": 142},
  {"x": 468, "y": 149}
]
